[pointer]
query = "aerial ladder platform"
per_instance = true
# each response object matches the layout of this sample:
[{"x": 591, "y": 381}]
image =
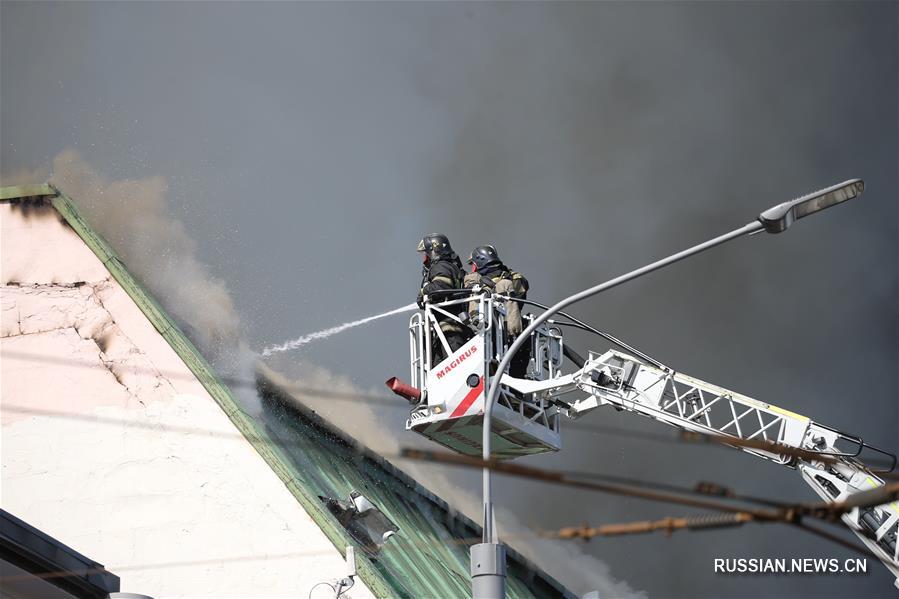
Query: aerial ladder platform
[{"x": 448, "y": 406}]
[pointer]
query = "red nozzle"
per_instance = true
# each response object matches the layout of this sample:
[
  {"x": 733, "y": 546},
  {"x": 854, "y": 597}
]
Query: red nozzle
[{"x": 410, "y": 393}]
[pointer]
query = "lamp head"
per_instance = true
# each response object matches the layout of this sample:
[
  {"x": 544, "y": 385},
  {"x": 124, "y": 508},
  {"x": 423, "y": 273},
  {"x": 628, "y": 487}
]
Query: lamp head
[{"x": 778, "y": 218}]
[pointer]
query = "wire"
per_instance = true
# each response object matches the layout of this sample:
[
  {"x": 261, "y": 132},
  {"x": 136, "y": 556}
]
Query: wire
[
  {"x": 607, "y": 336},
  {"x": 631, "y": 487},
  {"x": 100, "y": 569},
  {"x": 289, "y": 387},
  {"x": 834, "y": 538},
  {"x": 788, "y": 450},
  {"x": 626, "y": 433},
  {"x": 720, "y": 440},
  {"x": 343, "y": 588},
  {"x": 790, "y": 514},
  {"x": 698, "y": 523},
  {"x": 707, "y": 487},
  {"x": 703, "y": 488},
  {"x": 633, "y": 434},
  {"x": 325, "y": 584},
  {"x": 666, "y": 525},
  {"x": 189, "y": 376},
  {"x": 561, "y": 475},
  {"x": 559, "y": 478},
  {"x": 166, "y": 565},
  {"x": 682, "y": 438},
  {"x": 584, "y": 326},
  {"x": 824, "y": 511}
]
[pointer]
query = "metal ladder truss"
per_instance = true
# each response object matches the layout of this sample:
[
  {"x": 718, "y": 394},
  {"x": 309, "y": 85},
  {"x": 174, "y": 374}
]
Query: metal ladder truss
[{"x": 624, "y": 382}]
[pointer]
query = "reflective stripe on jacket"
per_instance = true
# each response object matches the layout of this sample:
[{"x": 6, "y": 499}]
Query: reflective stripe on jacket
[{"x": 443, "y": 275}]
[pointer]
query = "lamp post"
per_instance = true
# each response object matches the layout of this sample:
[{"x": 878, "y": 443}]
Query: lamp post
[{"x": 488, "y": 563}]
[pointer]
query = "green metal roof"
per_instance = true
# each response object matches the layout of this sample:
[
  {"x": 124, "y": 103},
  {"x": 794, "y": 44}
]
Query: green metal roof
[
  {"x": 27, "y": 191},
  {"x": 428, "y": 559}
]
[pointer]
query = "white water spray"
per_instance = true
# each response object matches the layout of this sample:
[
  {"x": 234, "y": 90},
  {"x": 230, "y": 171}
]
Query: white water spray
[{"x": 300, "y": 341}]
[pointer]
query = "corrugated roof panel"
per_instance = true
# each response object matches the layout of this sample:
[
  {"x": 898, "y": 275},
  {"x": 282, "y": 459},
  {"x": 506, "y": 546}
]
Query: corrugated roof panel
[{"x": 429, "y": 556}]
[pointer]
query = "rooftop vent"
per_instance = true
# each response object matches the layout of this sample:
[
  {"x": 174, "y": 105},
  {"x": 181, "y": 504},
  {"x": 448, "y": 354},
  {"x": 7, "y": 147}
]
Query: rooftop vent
[{"x": 365, "y": 522}]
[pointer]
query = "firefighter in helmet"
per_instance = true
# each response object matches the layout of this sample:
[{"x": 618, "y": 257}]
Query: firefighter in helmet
[
  {"x": 442, "y": 272},
  {"x": 488, "y": 271}
]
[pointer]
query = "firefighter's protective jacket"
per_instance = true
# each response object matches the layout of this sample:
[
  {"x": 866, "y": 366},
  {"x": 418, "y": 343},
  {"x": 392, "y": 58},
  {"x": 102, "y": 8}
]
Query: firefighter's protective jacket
[
  {"x": 502, "y": 280},
  {"x": 442, "y": 275}
]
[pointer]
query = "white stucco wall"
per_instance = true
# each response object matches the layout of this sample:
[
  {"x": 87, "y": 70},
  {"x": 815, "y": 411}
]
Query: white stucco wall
[{"x": 110, "y": 444}]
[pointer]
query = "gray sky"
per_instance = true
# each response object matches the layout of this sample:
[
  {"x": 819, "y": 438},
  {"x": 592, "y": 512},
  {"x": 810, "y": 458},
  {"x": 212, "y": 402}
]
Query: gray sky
[{"x": 308, "y": 146}]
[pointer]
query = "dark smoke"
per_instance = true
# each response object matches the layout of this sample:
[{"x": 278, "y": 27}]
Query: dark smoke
[
  {"x": 307, "y": 146},
  {"x": 589, "y": 140}
]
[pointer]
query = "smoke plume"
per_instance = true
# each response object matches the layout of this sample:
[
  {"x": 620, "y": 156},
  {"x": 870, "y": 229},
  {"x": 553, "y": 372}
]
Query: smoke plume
[{"x": 133, "y": 215}]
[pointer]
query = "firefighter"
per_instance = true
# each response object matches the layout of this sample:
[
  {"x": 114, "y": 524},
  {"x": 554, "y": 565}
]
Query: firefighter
[
  {"x": 441, "y": 272},
  {"x": 488, "y": 271}
]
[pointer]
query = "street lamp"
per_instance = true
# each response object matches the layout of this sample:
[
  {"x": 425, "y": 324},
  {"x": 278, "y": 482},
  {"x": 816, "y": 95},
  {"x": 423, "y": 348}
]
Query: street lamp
[
  {"x": 488, "y": 558},
  {"x": 778, "y": 218}
]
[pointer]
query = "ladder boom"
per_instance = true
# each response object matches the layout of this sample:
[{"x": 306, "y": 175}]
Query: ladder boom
[{"x": 626, "y": 383}]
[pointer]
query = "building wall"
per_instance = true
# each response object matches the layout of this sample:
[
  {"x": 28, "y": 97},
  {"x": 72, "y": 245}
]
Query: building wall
[{"x": 110, "y": 444}]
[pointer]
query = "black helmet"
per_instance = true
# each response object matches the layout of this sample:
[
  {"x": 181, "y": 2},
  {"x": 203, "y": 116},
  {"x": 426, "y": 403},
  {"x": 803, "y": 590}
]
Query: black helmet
[
  {"x": 483, "y": 256},
  {"x": 435, "y": 245}
]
